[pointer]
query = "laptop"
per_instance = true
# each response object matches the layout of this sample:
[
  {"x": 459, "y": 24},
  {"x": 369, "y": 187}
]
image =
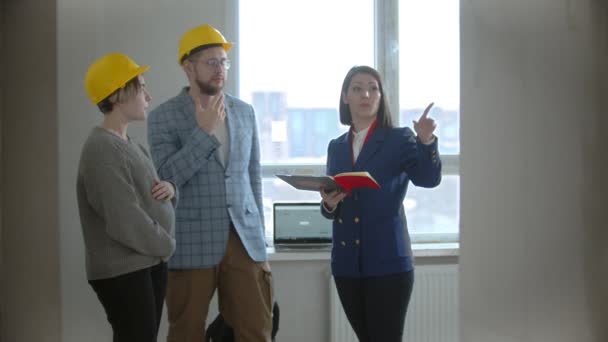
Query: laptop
[{"x": 300, "y": 226}]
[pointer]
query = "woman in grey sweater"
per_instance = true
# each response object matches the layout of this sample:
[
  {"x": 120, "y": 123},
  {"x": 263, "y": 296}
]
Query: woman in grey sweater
[{"x": 126, "y": 212}]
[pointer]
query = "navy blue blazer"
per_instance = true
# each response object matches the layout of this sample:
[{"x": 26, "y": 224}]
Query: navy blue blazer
[{"x": 370, "y": 236}]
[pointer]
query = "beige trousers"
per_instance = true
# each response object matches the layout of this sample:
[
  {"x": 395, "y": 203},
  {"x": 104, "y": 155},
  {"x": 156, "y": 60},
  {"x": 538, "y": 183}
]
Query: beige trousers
[{"x": 244, "y": 295}]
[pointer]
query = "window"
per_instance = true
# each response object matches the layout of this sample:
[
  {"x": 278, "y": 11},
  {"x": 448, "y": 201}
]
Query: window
[
  {"x": 294, "y": 87},
  {"x": 429, "y": 63},
  {"x": 429, "y": 71}
]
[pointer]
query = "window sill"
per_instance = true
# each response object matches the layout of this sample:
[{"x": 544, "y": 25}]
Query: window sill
[{"x": 421, "y": 250}]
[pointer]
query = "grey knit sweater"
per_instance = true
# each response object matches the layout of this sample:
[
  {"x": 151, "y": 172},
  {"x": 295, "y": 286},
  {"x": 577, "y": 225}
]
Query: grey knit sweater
[{"x": 124, "y": 228}]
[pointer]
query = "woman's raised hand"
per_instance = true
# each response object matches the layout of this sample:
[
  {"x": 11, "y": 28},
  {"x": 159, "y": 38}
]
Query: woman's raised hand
[{"x": 425, "y": 126}]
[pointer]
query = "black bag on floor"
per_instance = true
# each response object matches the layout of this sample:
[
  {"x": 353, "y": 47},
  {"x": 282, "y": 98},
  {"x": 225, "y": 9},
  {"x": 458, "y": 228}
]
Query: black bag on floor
[{"x": 220, "y": 331}]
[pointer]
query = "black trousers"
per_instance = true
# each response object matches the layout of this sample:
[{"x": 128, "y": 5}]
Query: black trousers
[
  {"x": 376, "y": 306},
  {"x": 134, "y": 302}
]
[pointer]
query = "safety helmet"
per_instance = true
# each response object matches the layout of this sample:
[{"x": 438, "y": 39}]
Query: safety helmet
[
  {"x": 110, "y": 73},
  {"x": 199, "y": 36}
]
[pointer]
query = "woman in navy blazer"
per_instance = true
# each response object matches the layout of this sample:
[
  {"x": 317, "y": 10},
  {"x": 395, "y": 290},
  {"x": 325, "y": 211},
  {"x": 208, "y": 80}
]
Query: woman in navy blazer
[{"x": 372, "y": 260}]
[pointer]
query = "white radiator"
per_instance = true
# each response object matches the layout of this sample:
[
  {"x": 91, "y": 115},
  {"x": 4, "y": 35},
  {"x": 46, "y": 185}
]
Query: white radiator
[{"x": 432, "y": 315}]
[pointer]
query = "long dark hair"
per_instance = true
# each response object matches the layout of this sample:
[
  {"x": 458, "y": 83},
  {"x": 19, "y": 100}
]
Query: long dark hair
[{"x": 384, "y": 113}]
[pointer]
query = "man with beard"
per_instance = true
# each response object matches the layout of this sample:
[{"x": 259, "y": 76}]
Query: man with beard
[{"x": 206, "y": 142}]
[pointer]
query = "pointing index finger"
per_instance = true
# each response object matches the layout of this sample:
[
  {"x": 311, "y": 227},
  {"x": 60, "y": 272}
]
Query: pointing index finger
[{"x": 427, "y": 110}]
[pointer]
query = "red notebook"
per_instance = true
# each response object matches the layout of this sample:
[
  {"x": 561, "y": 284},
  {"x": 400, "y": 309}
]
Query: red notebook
[{"x": 345, "y": 181}]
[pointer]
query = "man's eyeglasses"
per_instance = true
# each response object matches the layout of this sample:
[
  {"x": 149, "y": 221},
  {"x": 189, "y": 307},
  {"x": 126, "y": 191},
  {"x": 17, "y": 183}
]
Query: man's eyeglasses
[{"x": 214, "y": 63}]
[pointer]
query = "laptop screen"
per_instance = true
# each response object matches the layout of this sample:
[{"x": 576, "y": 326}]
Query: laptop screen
[{"x": 300, "y": 223}]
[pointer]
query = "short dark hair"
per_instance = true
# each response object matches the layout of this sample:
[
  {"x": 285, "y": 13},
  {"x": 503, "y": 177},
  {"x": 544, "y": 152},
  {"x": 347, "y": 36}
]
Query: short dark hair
[
  {"x": 121, "y": 94},
  {"x": 384, "y": 113},
  {"x": 198, "y": 49}
]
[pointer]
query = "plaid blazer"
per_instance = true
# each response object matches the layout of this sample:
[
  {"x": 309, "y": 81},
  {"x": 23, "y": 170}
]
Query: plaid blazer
[{"x": 211, "y": 196}]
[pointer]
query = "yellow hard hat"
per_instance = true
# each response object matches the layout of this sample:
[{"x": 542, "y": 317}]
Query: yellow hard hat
[
  {"x": 199, "y": 36},
  {"x": 110, "y": 73}
]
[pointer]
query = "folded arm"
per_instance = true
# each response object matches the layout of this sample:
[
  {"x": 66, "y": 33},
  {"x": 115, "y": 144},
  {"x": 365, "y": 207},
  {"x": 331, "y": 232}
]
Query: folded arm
[{"x": 111, "y": 193}]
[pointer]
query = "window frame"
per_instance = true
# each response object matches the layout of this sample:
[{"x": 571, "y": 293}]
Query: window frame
[{"x": 386, "y": 58}]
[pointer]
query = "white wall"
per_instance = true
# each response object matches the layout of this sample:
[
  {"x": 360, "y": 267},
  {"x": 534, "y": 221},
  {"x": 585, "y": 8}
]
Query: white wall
[{"x": 531, "y": 165}]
